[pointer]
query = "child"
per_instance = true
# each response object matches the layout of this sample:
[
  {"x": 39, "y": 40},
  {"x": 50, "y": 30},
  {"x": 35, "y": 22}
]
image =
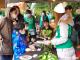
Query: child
[
  {"x": 30, "y": 19},
  {"x": 46, "y": 30},
  {"x": 19, "y": 40}
]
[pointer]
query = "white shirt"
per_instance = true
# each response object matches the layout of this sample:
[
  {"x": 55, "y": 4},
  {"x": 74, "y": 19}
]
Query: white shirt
[{"x": 63, "y": 33}]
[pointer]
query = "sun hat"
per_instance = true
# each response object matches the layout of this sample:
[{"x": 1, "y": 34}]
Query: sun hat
[{"x": 59, "y": 8}]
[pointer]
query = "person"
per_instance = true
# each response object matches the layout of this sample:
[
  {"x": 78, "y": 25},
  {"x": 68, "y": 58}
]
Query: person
[
  {"x": 42, "y": 18},
  {"x": 67, "y": 17},
  {"x": 62, "y": 39},
  {"x": 49, "y": 15},
  {"x": 6, "y": 25},
  {"x": 19, "y": 40},
  {"x": 20, "y": 17},
  {"x": 77, "y": 30},
  {"x": 77, "y": 25},
  {"x": 46, "y": 31},
  {"x": 29, "y": 18}
]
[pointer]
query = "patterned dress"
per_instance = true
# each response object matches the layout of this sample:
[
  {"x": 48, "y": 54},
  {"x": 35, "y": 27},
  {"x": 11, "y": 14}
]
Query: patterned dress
[{"x": 19, "y": 45}]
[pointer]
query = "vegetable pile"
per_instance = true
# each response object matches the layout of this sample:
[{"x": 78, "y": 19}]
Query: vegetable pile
[{"x": 47, "y": 54}]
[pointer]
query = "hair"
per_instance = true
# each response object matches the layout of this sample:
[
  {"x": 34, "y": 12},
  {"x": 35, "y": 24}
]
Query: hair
[
  {"x": 46, "y": 21},
  {"x": 44, "y": 12},
  {"x": 12, "y": 9},
  {"x": 28, "y": 11},
  {"x": 17, "y": 8},
  {"x": 68, "y": 7},
  {"x": 20, "y": 26},
  {"x": 20, "y": 16}
]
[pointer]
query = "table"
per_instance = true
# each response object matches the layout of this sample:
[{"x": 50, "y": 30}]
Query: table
[{"x": 32, "y": 53}]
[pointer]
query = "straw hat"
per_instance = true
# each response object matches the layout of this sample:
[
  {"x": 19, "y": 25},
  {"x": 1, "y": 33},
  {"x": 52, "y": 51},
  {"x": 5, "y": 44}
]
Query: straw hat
[
  {"x": 59, "y": 8},
  {"x": 65, "y": 4}
]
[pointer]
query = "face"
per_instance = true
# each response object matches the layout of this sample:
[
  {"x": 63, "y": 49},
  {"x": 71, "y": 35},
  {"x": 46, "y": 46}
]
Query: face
[
  {"x": 17, "y": 11},
  {"x": 68, "y": 11},
  {"x": 13, "y": 14},
  {"x": 14, "y": 23},
  {"x": 57, "y": 17},
  {"x": 26, "y": 26},
  {"x": 23, "y": 31},
  {"x": 45, "y": 24},
  {"x": 42, "y": 14},
  {"x": 53, "y": 24}
]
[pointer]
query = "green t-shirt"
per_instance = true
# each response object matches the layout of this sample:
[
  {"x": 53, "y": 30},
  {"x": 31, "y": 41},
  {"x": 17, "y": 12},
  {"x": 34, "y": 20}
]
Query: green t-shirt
[{"x": 30, "y": 21}]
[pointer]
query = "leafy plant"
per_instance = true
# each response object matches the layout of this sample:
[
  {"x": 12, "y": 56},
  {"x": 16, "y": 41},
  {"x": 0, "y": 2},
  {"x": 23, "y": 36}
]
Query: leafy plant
[{"x": 47, "y": 53}]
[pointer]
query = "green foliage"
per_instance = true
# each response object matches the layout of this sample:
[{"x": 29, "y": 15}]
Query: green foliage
[
  {"x": 74, "y": 5},
  {"x": 47, "y": 53},
  {"x": 47, "y": 56},
  {"x": 48, "y": 6},
  {"x": 40, "y": 7},
  {"x": 43, "y": 6}
]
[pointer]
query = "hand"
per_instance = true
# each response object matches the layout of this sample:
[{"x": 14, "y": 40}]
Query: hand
[
  {"x": 14, "y": 23},
  {"x": 53, "y": 25},
  {"x": 32, "y": 47},
  {"x": 47, "y": 42}
]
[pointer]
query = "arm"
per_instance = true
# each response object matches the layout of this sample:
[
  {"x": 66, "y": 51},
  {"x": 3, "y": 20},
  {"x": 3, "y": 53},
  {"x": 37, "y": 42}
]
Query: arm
[
  {"x": 68, "y": 20},
  {"x": 63, "y": 33},
  {"x": 16, "y": 47},
  {"x": 15, "y": 43},
  {"x": 25, "y": 18},
  {"x": 1, "y": 26}
]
